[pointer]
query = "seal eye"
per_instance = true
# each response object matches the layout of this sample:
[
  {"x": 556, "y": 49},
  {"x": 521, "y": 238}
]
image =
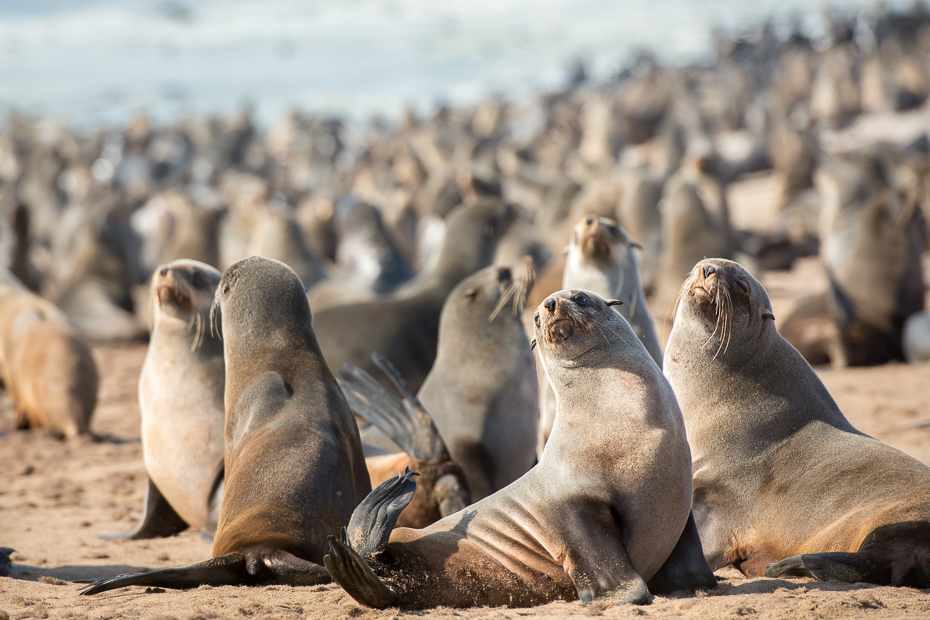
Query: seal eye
[
  {"x": 198, "y": 280},
  {"x": 582, "y": 300},
  {"x": 225, "y": 288},
  {"x": 536, "y": 319},
  {"x": 743, "y": 286}
]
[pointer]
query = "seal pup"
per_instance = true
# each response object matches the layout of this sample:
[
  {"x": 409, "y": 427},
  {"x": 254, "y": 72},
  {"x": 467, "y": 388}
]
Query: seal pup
[
  {"x": 47, "y": 366},
  {"x": 405, "y": 326},
  {"x": 617, "y": 455},
  {"x": 778, "y": 470},
  {"x": 600, "y": 259},
  {"x": 293, "y": 458},
  {"x": 443, "y": 488},
  {"x": 181, "y": 401}
]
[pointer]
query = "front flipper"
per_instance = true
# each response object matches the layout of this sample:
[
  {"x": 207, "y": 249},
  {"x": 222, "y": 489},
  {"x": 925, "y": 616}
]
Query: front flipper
[
  {"x": 846, "y": 567},
  {"x": 685, "y": 569},
  {"x": 159, "y": 520},
  {"x": 223, "y": 571},
  {"x": 6, "y": 564},
  {"x": 597, "y": 561},
  {"x": 373, "y": 519},
  {"x": 350, "y": 571}
]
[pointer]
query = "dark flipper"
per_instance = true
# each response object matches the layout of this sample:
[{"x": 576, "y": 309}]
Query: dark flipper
[
  {"x": 685, "y": 569},
  {"x": 373, "y": 519},
  {"x": 159, "y": 520},
  {"x": 350, "y": 571},
  {"x": 406, "y": 422},
  {"x": 208, "y": 533},
  {"x": 222, "y": 571},
  {"x": 254, "y": 566},
  {"x": 847, "y": 567}
]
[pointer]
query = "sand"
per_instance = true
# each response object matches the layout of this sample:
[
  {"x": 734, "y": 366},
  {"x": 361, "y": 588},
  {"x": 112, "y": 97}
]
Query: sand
[{"x": 56, "y": 497}]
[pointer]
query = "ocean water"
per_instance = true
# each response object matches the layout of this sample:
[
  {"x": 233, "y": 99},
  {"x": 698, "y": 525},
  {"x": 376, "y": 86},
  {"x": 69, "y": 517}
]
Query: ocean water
[{"x": 94, "y": 62}]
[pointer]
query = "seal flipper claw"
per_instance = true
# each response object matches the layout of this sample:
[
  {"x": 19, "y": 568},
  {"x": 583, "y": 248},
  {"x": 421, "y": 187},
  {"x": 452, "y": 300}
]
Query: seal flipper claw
[
  {"x": 159, "y": 520},
  {"x": 372, "y": 521},
  {"x": 350, "y": 571},
  {"x": 836, "y": 566}
]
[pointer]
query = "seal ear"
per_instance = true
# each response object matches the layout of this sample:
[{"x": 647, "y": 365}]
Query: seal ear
[
  {"x": 566, "y": 250},
  {"x": 470, "y": 293},
  {"x": 636, "y": 245},
  {"x": 613, "y": 302},
  {"x": 533, "y": 344},
  {"x": 767, "y": 315}
]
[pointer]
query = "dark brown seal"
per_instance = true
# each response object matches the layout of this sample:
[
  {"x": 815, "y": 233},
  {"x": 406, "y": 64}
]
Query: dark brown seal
[
  {"x": 778, "y": 470},
  {"x": 294, "y": 464},
  {"x": 617, "y": 455}
]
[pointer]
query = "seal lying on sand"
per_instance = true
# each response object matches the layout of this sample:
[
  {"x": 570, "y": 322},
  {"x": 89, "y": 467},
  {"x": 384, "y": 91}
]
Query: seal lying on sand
[
  {"x": 294, "y": 464},
  {"x": 47, "y": 366},
  {"x": 443, "y": 487},
  {"x": 778, "y": 470},
  {"x": 598, "y": 517},
  {"x": 181, "y": 402}
]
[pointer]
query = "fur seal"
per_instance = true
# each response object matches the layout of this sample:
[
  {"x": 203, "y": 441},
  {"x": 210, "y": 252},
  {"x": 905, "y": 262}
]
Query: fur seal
[
  {"x": 556, "y": 532},
  {"x": 294, "y": 463},
  {"x": 443, "y": 487},
  {"x": 482, "y": 392},
  {"x": 872, "y": 241},
  {"x": 405, "y": 326},
  {"x": 181, "y": 402},
  {"x": 600, "y": 259},
  {"x": 778, "y": 470},
  {"x": 47, "y": 366}
]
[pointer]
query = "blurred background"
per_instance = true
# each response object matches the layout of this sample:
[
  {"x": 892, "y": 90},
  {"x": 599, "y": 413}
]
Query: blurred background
[{"x": 96, "y": 62}]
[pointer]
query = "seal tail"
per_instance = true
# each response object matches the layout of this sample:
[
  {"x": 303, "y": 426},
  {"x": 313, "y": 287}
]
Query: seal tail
[
  {"x": 372, "y": 521},
  {"x": 223, "y": 571},
  {"x": 406, "y": 422}
]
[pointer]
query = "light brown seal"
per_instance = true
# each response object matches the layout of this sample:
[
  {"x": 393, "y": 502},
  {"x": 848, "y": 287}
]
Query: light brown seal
[
  {"x": 598, "y": 517},
  {"x": 48, "y": 368},
  {"x": 405, "y": 326},
  {"x": 778, "y": 470},
  {"x": 181, "y": 402},
  {"x": 294, "y": 464},
  {"x": 600, "y": 259}
]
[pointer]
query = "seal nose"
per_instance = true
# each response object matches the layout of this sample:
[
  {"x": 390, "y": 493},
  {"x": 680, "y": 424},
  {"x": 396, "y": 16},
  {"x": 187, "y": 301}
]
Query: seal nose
[
  {"x": 549, "y": 304},
  {"x": 590, "y": 220},
  {"x": 504, "y": 274},
  {"x": 708, "y": 270},
  {"x": 163, "y": 271}
]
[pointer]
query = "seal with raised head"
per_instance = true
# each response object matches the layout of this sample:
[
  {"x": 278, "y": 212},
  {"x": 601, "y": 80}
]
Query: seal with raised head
[
  {"x": 603, "y": 513},
  {"x": 181, "y": 402},
  {"x": 780, "y": 475},
  {"x": 293, "y": 458},
  {"x": 600, "y": 259},
  {"x": 405, "y": 326},
  {"x": 48, "y": 368}
]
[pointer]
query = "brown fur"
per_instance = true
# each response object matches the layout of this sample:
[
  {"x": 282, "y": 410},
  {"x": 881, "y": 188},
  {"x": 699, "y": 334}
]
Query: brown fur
[{"x": 778, "y": 470}]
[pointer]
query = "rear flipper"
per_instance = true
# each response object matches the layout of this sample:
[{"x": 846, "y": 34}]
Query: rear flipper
[
  {"x": 255, "y": 566},
  {"x": 373, "y": 519},
  {"x": 159, "y": 520},
  {"x": 685, "y": 569},
  {"x": 847, "y": 567},
  {"x": 350, "y": 571}
]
